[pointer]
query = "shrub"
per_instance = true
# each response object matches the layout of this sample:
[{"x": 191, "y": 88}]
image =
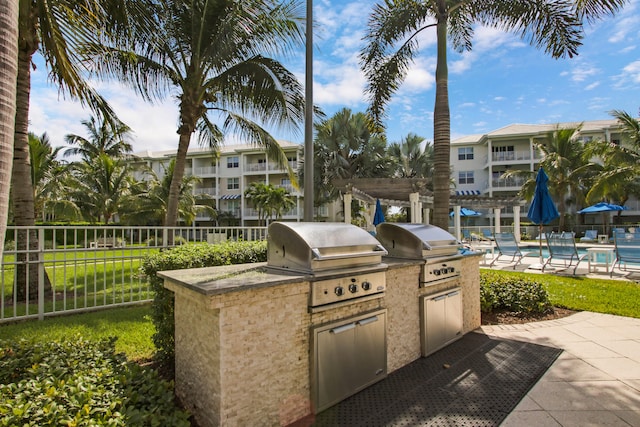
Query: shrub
[
  {"x": 79, "y": 382},
  {"x": 519, "y": 295},
  {"x": 189, "y": 256}
]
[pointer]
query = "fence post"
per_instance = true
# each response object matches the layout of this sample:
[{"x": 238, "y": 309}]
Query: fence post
[{"x": 41, "y": 273}]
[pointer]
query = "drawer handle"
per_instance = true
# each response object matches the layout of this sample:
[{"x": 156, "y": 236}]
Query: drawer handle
[
  {"x": 368, "y": 320},
  {"x": 343, "y": 328}
]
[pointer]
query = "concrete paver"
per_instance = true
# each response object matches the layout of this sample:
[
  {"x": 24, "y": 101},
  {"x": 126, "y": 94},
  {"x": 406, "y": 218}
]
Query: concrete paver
[{"x": 595, "y": 382}]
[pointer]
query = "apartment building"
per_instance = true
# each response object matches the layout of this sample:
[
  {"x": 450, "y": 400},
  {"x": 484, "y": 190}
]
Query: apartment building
[
  {"x": 479, "y": 161},
  {"x": 225, "y": 178}
]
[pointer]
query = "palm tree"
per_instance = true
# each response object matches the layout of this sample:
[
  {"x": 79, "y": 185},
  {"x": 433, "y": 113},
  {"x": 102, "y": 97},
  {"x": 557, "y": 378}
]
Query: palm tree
[
  {"x": 147, "y": 203},
  {"x": 258, "y": 193},
  {"x": 568, "y": 166},
  {"x": 58, "y": 29},
  {"x": 105, "y": 137},
  {"x": 8, "y": 72},
  {"x": 617, "y": 178},
  {"x": 49, "y": 176},
  {"x": 211, "y": 54},
  {"x": 99, "y": 187},
  {"x": 555, "y": 26},
  {"x": 414, "y": 157}
]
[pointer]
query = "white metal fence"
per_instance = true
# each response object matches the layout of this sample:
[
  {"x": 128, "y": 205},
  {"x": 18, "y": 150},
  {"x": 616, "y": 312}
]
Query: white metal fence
[{"x": 51, "y": 270}]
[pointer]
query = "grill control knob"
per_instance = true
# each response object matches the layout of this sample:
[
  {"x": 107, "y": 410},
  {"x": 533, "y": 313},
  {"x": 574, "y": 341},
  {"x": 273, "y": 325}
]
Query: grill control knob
[
  {"x": 366, "y": 285},
  {"x": 444, "y": 270},
  {"x": 437, "y": 272},
  {"x": 353, "y": 288},
  {"x": 451, "y": 269},
  {"x": 339, "y": 291}
]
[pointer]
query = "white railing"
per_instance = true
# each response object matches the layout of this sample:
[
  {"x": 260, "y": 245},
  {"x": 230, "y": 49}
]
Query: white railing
[{"x": 52, "y": 270}]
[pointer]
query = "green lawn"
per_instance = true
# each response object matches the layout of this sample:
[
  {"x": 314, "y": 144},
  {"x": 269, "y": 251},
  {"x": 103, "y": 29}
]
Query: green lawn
[{"x": 131, "y": 325}]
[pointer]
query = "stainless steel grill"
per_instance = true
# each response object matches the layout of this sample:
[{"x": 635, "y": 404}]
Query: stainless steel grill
[
  {"x": 344, "y": 264},
  {"x": 437, "y": 247},
  {"x": 344, "y": 260}
]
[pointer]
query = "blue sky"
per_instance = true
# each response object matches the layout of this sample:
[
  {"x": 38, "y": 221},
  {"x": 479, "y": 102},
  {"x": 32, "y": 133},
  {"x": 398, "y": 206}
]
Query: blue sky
[{"x": 501, "y": 81}]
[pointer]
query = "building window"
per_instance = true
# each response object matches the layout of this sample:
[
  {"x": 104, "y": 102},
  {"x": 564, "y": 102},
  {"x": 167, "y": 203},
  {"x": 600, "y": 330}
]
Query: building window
[
  {"x": 233, "y": 162},
  {"x": 465, "y": 153},
  {"x": 465, "y": 177},
  {"x": 233, "y": 183}
]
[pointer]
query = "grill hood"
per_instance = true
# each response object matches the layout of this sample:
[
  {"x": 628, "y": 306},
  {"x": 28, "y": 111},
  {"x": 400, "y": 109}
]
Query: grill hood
[
  {"x": 310, "y": 247},
  {"x": 416, "y": 241}
]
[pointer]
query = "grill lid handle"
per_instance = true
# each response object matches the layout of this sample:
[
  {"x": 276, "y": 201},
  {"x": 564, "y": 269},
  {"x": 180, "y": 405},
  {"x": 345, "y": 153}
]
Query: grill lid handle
[{"x": 380, "y": 250}]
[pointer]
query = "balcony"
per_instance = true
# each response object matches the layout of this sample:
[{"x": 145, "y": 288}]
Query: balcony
[
  {"x": 206, "y": 171},
  {"x": 211, "y": 191},
  {"x": 255, "y": 167},
  {"x": 508, "y": 183}
]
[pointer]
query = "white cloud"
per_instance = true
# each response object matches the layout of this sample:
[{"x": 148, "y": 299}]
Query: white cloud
[{"x": 592, "y": 86}]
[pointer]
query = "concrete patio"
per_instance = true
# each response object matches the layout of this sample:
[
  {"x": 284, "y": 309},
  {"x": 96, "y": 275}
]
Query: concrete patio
[{"x": 595, "y": 382}]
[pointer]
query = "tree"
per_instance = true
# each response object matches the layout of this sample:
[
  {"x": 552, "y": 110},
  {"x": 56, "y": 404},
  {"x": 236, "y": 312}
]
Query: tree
[
  {"x": 392, "y": 43},
  {"x": 147, "y": 203},
  {"x": 270, "y": 202},
  {"x": 99, "y": 187},
  {"x": 211, "y": 54},
  {"x": 49, "y": 176},
  {"x": 345, "y": 147},
  {"x": 8, "y": 73},
  {"x": 413, "y": 157},
  {"x": 58, "y": 29},
  {"x": 105, "y": 137},
  {"x": 617, "y": 178}
]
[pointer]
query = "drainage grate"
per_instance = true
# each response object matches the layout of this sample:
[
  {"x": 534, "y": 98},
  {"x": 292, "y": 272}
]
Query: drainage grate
[{"x": 485, "y": 380}]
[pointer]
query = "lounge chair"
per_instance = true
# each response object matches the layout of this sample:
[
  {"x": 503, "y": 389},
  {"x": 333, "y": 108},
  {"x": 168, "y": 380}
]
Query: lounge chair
[
  {"x": 614, "y": 232},
  {"x": 589, "y": 236},
  {"x": 562, "y": 247},
  {"x": 507, "y": 246},
  {"x": 627, "y": 250},
  {"x": 486, "y": 234}
]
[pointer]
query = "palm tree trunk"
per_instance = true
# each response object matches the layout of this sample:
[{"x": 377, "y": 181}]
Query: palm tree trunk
[
  {"x": 22, "y": 185},
  {"x": 441, "y": 129},
  {"x": 171, "y": 220},
  {"x": 8, "y": 75}
]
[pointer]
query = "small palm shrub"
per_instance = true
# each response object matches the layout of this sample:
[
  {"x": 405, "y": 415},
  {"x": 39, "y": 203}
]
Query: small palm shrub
[
  {"x": 78, "y": 382},
  {"x": 518, "y": 295}
]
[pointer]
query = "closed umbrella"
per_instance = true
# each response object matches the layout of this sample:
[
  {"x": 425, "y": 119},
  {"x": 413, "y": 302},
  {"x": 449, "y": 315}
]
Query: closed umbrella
[
  {"x": 542, "y": 210},
  {"x": 378, "y": 216}
]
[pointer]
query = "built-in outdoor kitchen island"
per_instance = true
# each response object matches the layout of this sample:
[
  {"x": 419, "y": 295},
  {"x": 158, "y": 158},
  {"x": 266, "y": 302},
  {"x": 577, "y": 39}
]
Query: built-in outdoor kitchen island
[{"x": 327, "y": 315}]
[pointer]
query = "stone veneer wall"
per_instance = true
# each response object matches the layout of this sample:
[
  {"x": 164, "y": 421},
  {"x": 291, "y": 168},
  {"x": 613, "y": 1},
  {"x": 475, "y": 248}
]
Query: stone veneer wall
[{"x": 242, "y": 358}]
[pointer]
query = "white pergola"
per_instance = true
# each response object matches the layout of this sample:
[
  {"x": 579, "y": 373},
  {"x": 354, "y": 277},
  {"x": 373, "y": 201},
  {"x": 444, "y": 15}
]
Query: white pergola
[{"x": 413, "y": 193}]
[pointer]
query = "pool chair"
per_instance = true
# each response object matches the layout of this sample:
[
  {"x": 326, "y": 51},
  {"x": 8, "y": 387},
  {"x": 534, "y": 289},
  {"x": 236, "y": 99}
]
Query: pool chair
[
  {"x": 614, "y": 232},
  {"x": 486, "y": 234},
  {"x": 562, "y": 252},
  {"x": 590, "y": 236},
  {"x": 508, "y": 247},
  {"x": 627, "y": 250}
]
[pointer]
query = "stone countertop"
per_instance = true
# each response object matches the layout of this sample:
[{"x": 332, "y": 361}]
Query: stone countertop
[
  {"x": 230, "y": 278},
  {"x": 239, "y": 277}
]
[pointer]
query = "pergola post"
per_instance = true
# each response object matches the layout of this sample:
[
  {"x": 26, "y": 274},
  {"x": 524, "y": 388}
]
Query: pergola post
[
  {"x": 426, "y": 213},
  {"x": 516, "y": 223},
  {"x": 496, "y": 215},
  {"x": 416, "y": 208},
  {"x": 347, "y": 207},
  {"x": 456, "y": 222}
]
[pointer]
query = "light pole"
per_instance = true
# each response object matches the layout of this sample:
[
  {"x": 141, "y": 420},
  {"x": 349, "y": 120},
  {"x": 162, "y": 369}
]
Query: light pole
[{"x": 308, "y": 118}]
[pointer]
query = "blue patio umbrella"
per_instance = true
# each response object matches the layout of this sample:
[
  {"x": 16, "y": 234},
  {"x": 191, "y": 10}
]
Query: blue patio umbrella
[
  {"x": 378, "y": 216},
  {"x": 466, "y": 212},
  {"x": 542, "y": 210},
  {"x": 602, "y": 207}
]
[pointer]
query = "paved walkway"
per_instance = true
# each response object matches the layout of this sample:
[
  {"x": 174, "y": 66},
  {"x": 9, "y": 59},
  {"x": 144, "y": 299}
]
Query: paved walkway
[{"x": 595, "y": 382}]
